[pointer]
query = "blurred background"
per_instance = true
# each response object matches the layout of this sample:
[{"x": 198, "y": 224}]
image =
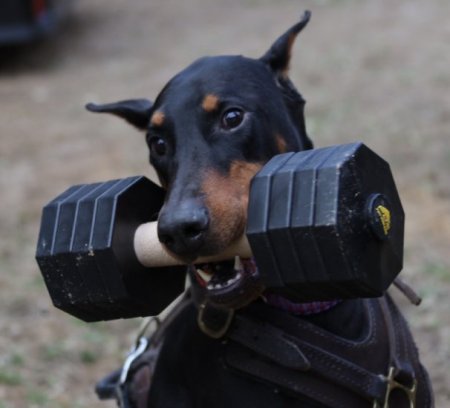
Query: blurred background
[{"x": 376, "y": 71}]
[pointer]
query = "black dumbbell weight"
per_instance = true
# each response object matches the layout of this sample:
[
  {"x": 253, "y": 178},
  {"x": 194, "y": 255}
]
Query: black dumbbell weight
[
  {"x": 324, "y": 223},
  {"x": 327, "y": 223},
  {"x": 86, "y": 256}
]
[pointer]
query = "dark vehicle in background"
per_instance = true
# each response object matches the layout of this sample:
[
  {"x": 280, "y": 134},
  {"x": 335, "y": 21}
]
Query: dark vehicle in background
[{"x": 24, "y": 21}]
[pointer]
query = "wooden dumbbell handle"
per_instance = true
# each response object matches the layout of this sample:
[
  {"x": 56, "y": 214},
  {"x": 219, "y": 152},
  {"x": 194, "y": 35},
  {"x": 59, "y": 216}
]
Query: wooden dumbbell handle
[{"x": 151, "y": 253}]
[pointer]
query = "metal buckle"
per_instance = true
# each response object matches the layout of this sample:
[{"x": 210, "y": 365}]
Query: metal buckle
[
  {"x": 139, "y": 348},
  {"x": 215, "y": 334},
  {"x": 392, "y": 384},
  {"x": 133, "y": 355}
]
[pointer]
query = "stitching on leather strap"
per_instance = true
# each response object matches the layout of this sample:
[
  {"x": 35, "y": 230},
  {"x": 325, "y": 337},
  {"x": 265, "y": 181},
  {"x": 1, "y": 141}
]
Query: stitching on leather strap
[
  {"x": 329, "y": 366},
  {"x": 298, "y": 382},
  {"x": 270, "y": 342}
]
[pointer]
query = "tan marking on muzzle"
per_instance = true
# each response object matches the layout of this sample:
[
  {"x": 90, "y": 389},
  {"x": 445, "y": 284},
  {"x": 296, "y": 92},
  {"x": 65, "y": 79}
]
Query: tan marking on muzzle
[
  {"x": 226, "y": 198},
  {"x": 157, "y": 119},
  {"x": 210, "y": 103}
]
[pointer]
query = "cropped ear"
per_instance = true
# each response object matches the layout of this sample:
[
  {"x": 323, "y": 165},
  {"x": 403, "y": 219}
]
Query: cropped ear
[
  {"x": 279, "y": 54},
  {"x": 134, "y": 111},
  {"x": 278, "y": 58}
]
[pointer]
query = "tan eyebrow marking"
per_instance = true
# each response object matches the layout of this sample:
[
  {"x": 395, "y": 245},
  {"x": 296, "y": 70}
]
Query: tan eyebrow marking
[
  {"x": 157, "y": 118},
  {"x": 210, "y": 102}
]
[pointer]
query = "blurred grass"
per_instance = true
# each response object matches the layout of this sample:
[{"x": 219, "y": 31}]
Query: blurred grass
[
  {"x": 37, "y": 398},
  {"x": 9, "y": 377},
  {"x": 438, "y": 272}
]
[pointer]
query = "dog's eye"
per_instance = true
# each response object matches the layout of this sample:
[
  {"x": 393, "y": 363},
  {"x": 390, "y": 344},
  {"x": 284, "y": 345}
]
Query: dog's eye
[
  {"x": 158, "y": 146},
  {"x": 232, "y": 118}
]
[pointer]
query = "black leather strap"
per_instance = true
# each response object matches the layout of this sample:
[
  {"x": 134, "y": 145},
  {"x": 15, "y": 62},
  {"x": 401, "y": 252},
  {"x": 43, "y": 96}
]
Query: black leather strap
[
  {"x": 399, "y": 357},
  {"x": 309, "y": 362},
  {"x": 134, "y": 391},
  {"x": 268, "y": 341},
  {"x": 297, "y": 383},
  {"x": 298, "y": 365}
]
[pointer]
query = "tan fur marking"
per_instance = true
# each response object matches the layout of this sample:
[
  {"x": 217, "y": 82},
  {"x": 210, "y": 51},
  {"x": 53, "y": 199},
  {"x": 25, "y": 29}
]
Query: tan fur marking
[
  {"x": 157, "y": 118},
  {"x": 227, "y": 198},
  {"x": 210, "y": 103},
  {"x": 281, "y": 143}
]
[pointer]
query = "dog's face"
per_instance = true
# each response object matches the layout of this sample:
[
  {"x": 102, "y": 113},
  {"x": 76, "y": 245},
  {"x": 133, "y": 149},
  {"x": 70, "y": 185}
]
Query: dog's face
[{"x": 212, "y": 127}]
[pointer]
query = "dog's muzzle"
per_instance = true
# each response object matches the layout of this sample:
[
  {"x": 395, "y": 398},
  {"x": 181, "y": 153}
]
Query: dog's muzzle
[{"x": 184, "y": 230}]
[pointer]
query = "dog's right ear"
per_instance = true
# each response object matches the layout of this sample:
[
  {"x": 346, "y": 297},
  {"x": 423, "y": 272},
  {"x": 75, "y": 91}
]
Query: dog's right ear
[
  {"x": 134, "y": 111},
  {"x": 279, "y": 54}
]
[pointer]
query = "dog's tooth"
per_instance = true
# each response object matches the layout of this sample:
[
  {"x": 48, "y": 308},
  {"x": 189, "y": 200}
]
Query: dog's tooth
[
  {"x": 206, "y": 277},
  {"x": 237, "y": 263}
]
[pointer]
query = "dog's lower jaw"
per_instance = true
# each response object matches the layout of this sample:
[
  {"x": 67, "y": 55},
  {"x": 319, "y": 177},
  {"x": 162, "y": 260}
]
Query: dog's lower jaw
[{"x": 231, "y": 285}]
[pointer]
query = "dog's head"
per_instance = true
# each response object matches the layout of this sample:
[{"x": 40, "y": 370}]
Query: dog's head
[{"x": 212, "y": 127}]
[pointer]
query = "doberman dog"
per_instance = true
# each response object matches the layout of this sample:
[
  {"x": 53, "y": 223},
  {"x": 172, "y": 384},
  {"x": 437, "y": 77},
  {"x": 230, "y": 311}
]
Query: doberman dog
[{"x": 211, "y": 128}]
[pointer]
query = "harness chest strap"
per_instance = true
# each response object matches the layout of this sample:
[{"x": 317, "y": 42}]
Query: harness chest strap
[
  {"x": 402, "y": 374},
  {"x": 300, "y": 367},
  {"x": 303, "y": 364}
]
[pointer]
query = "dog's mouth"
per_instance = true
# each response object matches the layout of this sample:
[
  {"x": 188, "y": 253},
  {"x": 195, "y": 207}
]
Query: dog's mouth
[{"x": 229, "y": 284}]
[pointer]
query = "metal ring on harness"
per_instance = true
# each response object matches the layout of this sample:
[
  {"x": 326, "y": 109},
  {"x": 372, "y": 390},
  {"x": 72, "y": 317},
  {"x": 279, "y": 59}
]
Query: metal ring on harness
[
  {"x": 214, "y": 333},
  {"x": 394, "y": 385}
]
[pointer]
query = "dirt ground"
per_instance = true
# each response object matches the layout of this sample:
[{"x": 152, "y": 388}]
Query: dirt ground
[{"x": 372, "y": 71}]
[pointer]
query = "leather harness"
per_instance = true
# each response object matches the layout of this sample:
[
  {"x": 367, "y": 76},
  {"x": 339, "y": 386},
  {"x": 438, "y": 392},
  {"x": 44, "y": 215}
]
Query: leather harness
[{"x": 380, "y": 370}]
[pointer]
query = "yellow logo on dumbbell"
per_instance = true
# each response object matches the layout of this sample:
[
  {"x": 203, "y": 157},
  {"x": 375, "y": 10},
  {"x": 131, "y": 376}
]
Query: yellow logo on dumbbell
[{"x": 385, "y": 218}]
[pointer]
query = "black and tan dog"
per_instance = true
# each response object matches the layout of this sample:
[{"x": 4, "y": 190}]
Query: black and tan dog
[{"x": 212, "y": 127}]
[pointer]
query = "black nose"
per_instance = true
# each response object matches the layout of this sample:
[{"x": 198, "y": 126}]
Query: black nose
[{"x": 183, "y": 229}]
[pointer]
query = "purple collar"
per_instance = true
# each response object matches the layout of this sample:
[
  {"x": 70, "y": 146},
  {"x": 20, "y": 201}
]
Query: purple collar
[
  {"x": 300, "y": 309},
  {"x": 249, "y": 267}
]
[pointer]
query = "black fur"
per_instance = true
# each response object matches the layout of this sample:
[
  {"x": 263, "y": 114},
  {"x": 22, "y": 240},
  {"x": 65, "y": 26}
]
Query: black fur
[
  {"x": 189, "y": 144},
  {"x": 191, "y": 371},
  {"x": 196, "y": 143}
]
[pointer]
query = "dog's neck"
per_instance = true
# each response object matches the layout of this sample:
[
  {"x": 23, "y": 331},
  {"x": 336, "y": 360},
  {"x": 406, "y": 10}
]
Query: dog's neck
[
  {"x": 347, "y": 319},
  {"x": 344, "y": 318}
]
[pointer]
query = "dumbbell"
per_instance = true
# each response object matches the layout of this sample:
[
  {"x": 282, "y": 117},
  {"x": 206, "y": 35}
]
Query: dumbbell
[{"x": 322, "y": 224}]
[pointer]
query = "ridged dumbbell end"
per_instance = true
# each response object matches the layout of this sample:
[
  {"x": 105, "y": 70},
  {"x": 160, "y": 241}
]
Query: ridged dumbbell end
[
  {"x": 86, "y": 255},
  {"x": 327, "y": 223}
]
